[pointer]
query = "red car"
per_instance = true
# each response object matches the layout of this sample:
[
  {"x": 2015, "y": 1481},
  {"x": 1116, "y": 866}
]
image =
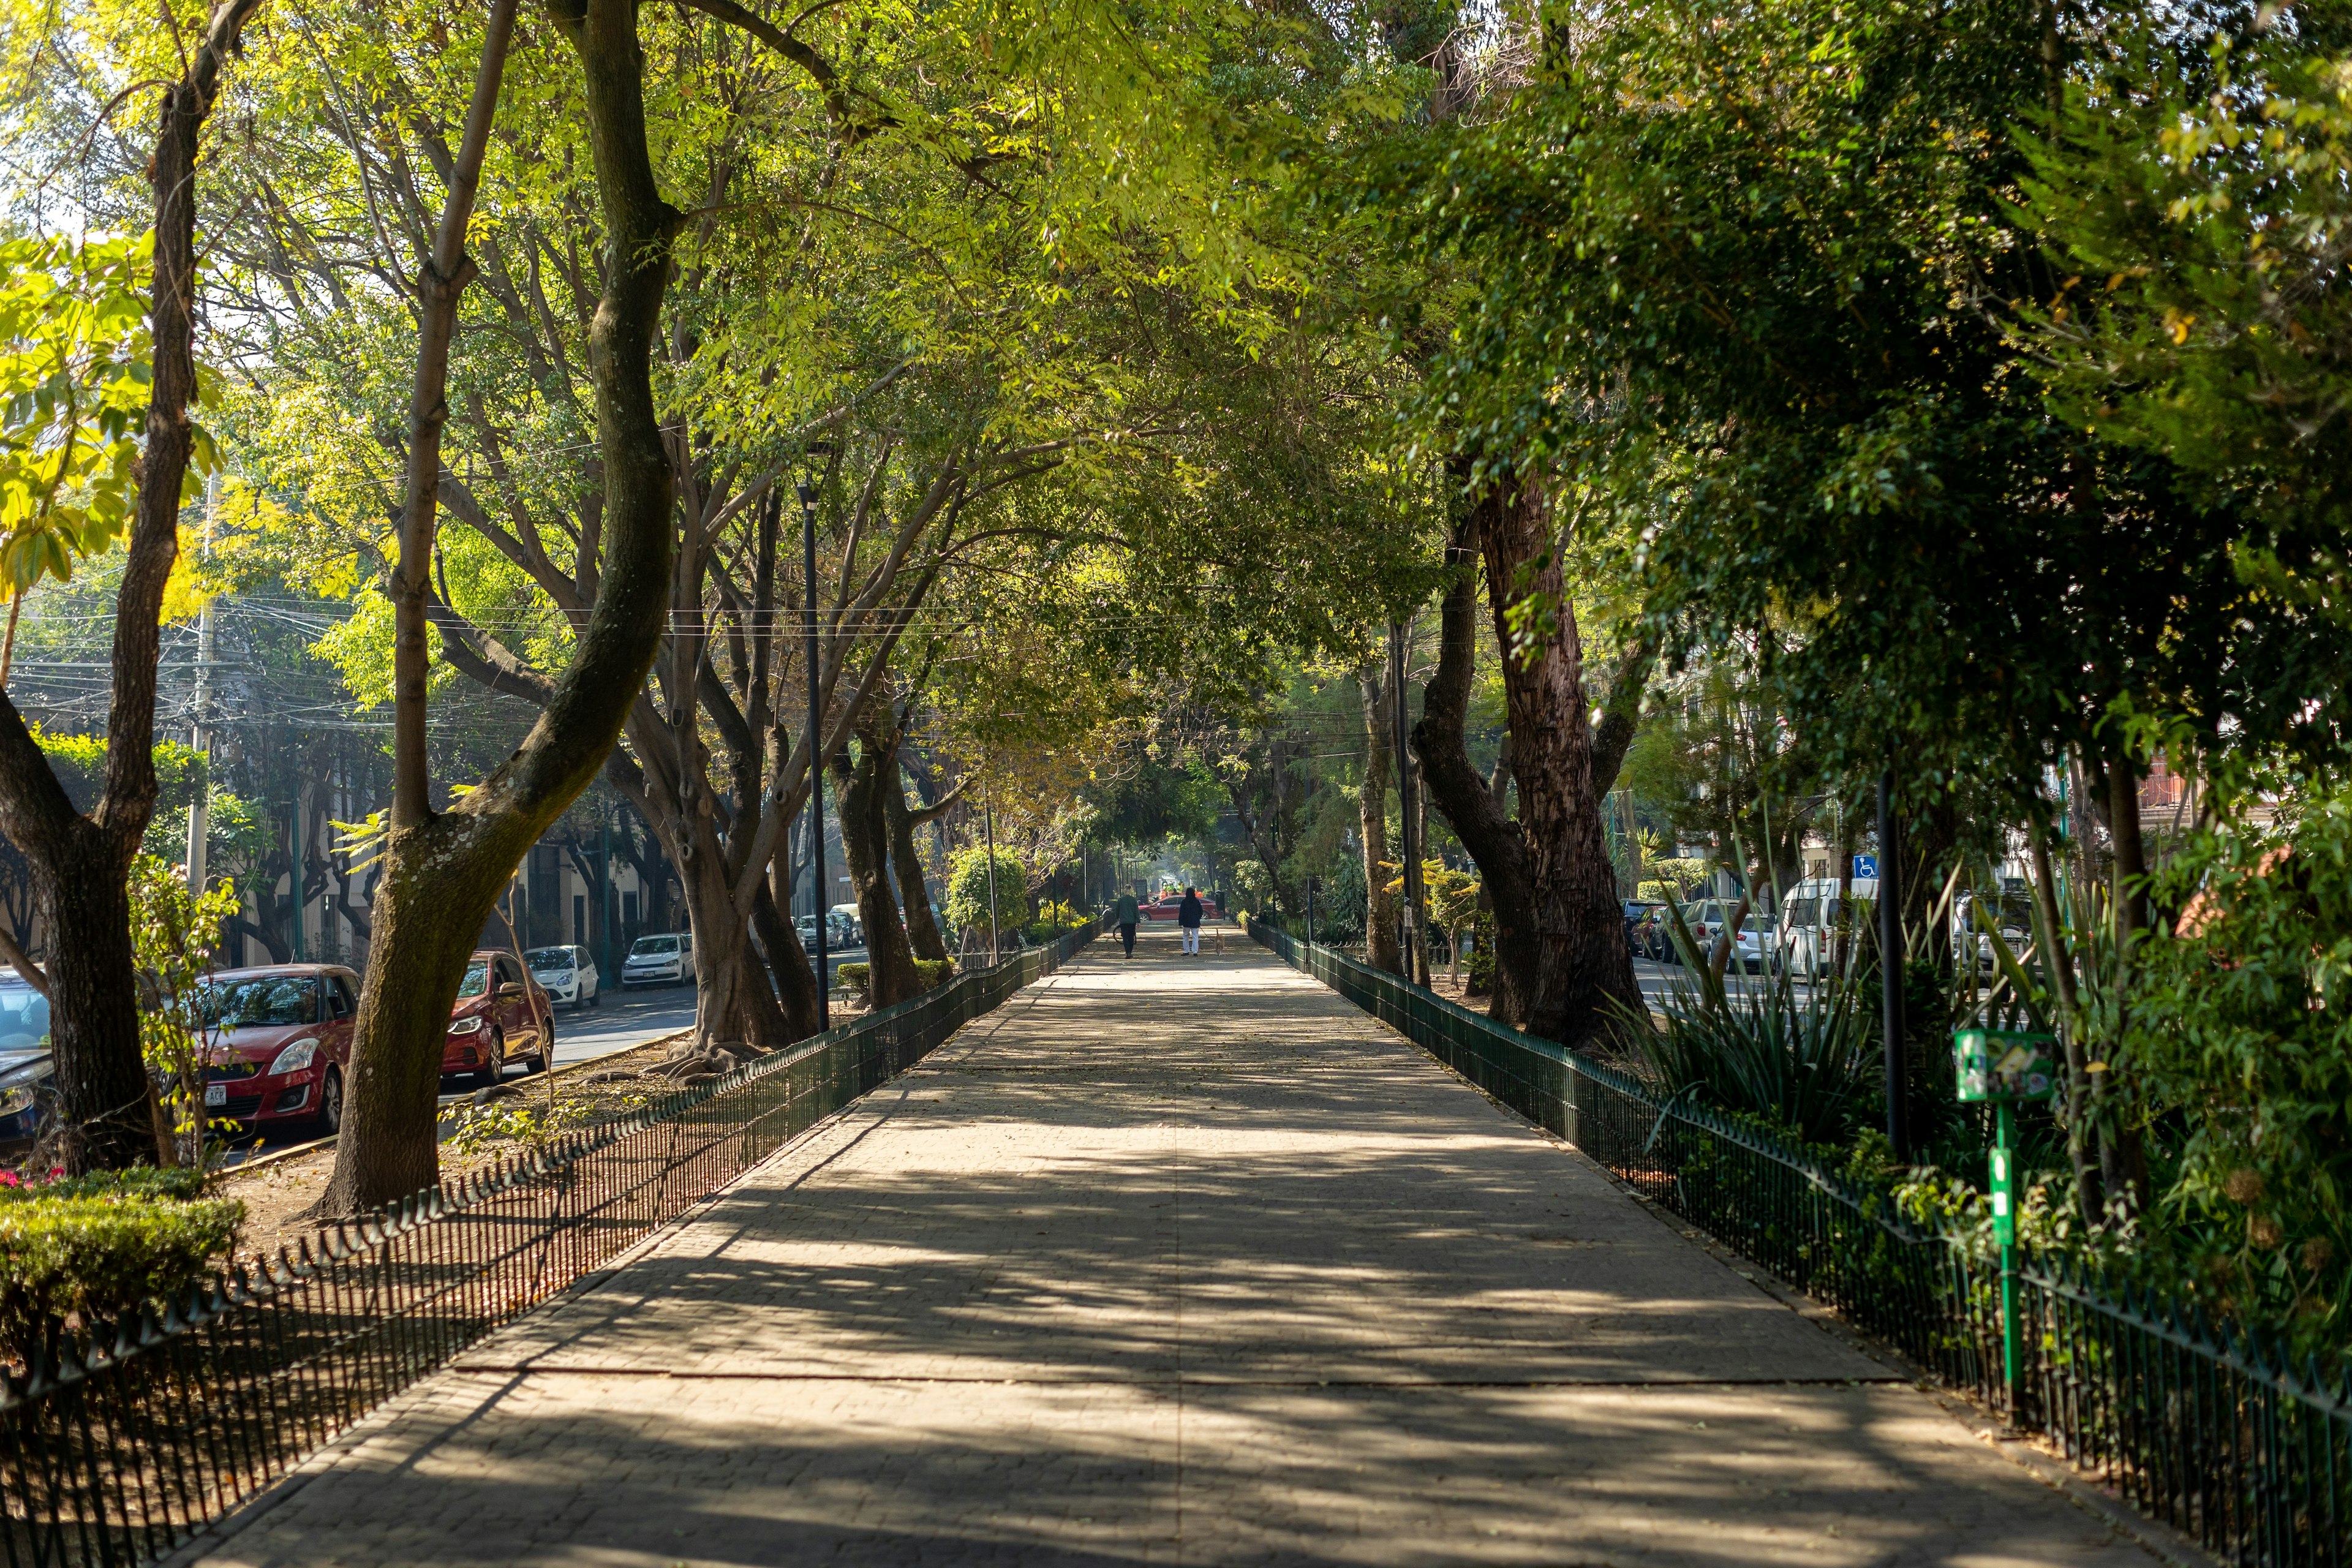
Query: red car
[
  {"x": 1165, "y": 906},
  {"x": 281, "y": 1045},
  {"x": 501, "y": 1016}
]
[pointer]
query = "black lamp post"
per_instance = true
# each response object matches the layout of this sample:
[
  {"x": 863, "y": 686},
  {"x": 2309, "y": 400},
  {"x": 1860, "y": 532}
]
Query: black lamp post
[{"x": 815, "y": 756}]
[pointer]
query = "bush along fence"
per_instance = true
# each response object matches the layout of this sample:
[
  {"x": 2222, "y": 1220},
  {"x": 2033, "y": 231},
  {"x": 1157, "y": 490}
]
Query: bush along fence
[
  {"x": 119, "y": 1442},
  {"x": 2207, "y": 1431}
]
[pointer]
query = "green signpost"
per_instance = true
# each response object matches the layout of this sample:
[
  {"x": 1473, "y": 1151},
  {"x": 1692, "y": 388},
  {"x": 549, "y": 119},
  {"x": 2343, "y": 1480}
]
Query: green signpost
[{"x": 2003, "y": 1067}]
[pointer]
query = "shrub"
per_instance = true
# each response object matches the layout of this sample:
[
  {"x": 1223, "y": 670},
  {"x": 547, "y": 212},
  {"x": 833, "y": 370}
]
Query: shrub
[
  {"x": 853, "y": 977},
  {"x": 933, "y": 973},
  {"x": 967, "y": 900},
  {"x": 2240, "y": 1038},
  {"x": 1807, "y": 1067},
  {"x": 103, "y": 1244}
]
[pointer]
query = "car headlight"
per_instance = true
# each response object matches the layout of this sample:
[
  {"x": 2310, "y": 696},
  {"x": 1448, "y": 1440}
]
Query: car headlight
[
  {"x": 13, "y": 1101},
  {"x": 466, "y": 1025},
  {"x": 295, "y": 1058}
]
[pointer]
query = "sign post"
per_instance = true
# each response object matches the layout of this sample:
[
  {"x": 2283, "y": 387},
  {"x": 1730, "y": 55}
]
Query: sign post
[{"x": 2003, "y": 1067}]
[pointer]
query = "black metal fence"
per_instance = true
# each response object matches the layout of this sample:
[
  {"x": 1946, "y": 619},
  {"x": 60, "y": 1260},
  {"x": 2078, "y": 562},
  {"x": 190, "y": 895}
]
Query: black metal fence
[
  {"x": 2209, "y": 1432},
  {"x": 118, "y": 1442}
]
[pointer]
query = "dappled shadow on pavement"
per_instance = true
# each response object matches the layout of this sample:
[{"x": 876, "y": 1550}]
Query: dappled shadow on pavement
[{"x": 1169, "y": 1261}]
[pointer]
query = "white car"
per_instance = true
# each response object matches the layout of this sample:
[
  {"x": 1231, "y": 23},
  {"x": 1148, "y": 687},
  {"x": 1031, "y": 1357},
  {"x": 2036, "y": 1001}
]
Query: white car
[
  {"x": 659, "y": 961},
  {"x": 567, "y": 974}
]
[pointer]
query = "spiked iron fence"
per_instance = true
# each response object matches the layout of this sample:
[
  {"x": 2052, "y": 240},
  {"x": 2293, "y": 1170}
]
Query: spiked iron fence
[
  {"x": 120, "y": 1441},
  {"x": 2211, "y": 1433}
]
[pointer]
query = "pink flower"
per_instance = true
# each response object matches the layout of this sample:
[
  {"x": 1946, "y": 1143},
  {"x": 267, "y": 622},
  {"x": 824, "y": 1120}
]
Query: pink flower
[{"x": 8, "y": 1179}]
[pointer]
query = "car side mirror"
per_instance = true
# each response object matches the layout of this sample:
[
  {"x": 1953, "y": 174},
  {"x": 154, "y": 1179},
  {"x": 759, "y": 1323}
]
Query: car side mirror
[{"x": 510, "y": 989}]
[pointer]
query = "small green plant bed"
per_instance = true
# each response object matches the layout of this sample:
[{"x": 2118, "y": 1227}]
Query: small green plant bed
[
  {"x": 929, "y": 973},
  {"x": 87, "y": 1246}
]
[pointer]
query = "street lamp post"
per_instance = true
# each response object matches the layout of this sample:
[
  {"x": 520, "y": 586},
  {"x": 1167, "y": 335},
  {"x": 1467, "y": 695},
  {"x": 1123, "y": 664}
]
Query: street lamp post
[
  {"x": 990, "y": 817},
  {"x": 815, "y": 758},
  {"x": 1408, "y": 852},
  {"x": 1890, "y": 965}
]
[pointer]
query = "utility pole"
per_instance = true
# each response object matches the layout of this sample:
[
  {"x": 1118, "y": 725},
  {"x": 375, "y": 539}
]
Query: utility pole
[
  {"x": 816, "y": 759},
  {"x": 990, "y": 817},
  {"x": 199, "y": 809},
  {"x": 1890, "y": 965},
  {"x": 294, "y": 874},
  {"x": 1408, "y": 852}
]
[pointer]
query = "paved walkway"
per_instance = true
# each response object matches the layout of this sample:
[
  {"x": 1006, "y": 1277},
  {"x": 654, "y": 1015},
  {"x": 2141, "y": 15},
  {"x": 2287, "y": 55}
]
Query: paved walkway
[{"x": 1169, "y": 1261}]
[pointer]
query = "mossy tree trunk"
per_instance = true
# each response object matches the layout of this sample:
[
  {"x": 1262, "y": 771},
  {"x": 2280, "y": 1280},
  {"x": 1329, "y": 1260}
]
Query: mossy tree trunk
[{"x": 443, "y": 870}]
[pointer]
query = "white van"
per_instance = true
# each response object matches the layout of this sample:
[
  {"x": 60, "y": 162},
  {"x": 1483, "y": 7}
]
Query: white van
[{"x": 1809, "y": 919}]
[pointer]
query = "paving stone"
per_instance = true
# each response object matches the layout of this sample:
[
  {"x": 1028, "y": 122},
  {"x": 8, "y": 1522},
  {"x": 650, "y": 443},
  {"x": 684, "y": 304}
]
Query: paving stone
[{"x": 1169, "y": 1261}]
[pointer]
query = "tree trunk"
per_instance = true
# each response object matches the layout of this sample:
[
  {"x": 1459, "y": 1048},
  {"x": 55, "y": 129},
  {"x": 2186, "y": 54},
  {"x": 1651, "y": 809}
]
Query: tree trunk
[
  {"x": 914, "y": 893},
  {"x": 2060, "y": 966},
  {"x": 1558, "y": 924},
  {"x": 865, "y": 843},
  {"x": 1470, "y": 803},
  {"x": 733, "y": 1004},
  {"x": 2123, "y": 1160},
  {"x": 788, "y": 962},
  {"x": 1381, "y": 950},
  {"x": 441, "y": 875}
]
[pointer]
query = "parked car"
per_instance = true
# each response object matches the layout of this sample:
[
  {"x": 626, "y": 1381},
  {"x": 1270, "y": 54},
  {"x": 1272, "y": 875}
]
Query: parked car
[
  {"x": 1753, "y": 950},
  {"x": 659, "y": 961},
  {"x": 1810, "y": 919},
  {"x": 27, "y": 1099},
  {"x": 280, "y": 1044},
  {"x": 839, "y": 933},
  {"x": 24, "y": 1017},
  {"x": 2014, "y": 912},
  {"x": 1637, "y": 913},
  {"x": 1654, "y": 935},
  {"x": 502, "y": 1014},
  {"x": 566, "y": 973}
]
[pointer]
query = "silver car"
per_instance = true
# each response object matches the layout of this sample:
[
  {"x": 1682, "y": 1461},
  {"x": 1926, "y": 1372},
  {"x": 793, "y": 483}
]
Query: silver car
[
  {"x": 567, "y": 974},
  {"x": 659, "y": 961}
]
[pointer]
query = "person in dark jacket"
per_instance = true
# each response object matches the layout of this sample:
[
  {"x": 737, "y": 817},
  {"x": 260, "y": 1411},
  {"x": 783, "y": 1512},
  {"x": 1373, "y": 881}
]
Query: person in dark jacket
[
  {"x": 1188, "y": 917},
  {"x": 1124, "y": 915}
]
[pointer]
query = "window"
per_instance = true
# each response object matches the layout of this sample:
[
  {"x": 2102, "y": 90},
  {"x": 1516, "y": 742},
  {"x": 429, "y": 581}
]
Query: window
[
  {"x": 339, "y": 997},
  {"x": 263, "y": 1000},
  {"x": 478, "y": 977},
  {"x": 24, "y": 1017}
]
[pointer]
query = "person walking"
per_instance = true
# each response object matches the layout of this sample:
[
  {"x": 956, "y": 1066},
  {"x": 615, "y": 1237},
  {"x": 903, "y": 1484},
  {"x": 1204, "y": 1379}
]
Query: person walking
[
  {"x": 1124, "y": 914},
  {"x": 1188, "y": 917}
]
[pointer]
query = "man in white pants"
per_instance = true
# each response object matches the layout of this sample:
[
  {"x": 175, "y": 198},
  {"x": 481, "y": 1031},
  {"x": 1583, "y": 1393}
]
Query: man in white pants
[{"x": 1188, "y": 920}]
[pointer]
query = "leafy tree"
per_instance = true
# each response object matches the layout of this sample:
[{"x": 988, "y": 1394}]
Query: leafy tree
[{"x": 83, "y": 861}]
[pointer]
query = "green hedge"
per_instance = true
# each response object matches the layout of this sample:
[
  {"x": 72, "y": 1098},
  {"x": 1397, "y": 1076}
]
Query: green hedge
[
  {"x": 103, "y": 1243},
  {"x": 929, "y": 973}
]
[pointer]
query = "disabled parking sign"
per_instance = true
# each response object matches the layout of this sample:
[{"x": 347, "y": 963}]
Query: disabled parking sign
[{"x": 1865, "y": 865}]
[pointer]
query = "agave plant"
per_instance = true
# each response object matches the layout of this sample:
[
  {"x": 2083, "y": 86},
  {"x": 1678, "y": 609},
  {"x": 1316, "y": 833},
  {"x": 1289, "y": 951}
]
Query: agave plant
[{"x": 1804, "y": 1063}]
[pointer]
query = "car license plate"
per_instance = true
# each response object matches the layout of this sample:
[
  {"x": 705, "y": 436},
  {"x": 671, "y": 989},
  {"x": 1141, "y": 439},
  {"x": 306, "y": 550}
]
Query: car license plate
[{"x": 215, "y": 1094}]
